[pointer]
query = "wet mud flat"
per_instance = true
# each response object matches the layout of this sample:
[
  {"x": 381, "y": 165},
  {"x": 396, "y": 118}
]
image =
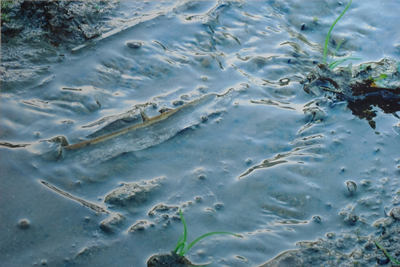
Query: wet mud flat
[{"x": 225, "y": 115}]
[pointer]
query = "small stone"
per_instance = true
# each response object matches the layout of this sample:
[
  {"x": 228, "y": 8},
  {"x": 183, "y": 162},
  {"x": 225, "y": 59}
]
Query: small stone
[
  {"x": 198, "y": 199},
  {"x": 139, "y": 226},
  {"x": 218, "y": 206},
  {"x": 206, "y": 63},
  {"x": 133, "y": 44},
  {"x": 164, "y": 109},
  {"x": 351, "y": 186},
  {"x": 351, "y": 219},
  {"x": 162, "y": 208},
  {"x": 204, "y": 118},
  {"x": 303, "y": 26},
  {"x": 382, "y": 260},
  {"x": 178, "y": 102},
  {"x": 330, "y": 235},
  {"x": 185, "y": 97},
  {"x": 111, "y": 225},
  {"x": 176, "y": 218},
  {"x": 202, "y": 177},
  {"x": 165, "y": 216},
  {"x": 369, "y": 246},
  {"x": 23, "y": 224},
  {"x": 317, "y": 219},
  {"x": 129, "y": 194},
  {"x": 366, "y": 183}
]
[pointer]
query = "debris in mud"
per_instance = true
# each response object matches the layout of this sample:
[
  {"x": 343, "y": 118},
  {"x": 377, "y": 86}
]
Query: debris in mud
[
  {"x": 59, "y": 21},
  {"x": 395, "y": 213},
  {"x": 151, "y": 131},
  {"x": 51, "y": 149},
  {"x": 168, "y": 259},
  {"x": 35, "y": 31},
  {"x": 131, "y": 194},
  {"x": 112, "y": 224},
  {"x": 369, "y": 85},
  {"x": 139, "y": 226},
  {"x": 10, "y": 145},
  {"x": 331, "y": 252},
  {"x": 162, "y": 208},
  {"x": 77, "y": 199}
]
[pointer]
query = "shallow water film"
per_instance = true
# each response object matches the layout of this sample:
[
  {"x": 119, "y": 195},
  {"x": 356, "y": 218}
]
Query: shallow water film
[{"x": 116, "y": 115}]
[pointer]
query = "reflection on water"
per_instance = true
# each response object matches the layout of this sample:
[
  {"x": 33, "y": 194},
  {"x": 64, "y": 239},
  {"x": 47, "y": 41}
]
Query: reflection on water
[{"x": 265, "y": 159}]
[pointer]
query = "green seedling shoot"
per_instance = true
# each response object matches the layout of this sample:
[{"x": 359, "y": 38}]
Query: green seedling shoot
[
  {"x": 386, "y": 253},
  {"x": 381, "y": 77},
  {"x": 336, "y": 63},
  {"x": 182, "y": 247}
]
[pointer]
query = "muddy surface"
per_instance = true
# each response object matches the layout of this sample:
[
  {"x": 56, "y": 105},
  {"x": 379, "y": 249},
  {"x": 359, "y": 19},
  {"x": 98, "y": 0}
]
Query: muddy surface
[{"x": 115, "y": 115}]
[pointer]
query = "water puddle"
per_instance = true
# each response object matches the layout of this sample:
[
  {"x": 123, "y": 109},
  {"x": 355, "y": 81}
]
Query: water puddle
[{"x": 220, "y": 109}]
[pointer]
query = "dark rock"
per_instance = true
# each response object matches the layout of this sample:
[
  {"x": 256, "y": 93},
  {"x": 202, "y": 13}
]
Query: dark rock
[{"x": 169, "y": 259}]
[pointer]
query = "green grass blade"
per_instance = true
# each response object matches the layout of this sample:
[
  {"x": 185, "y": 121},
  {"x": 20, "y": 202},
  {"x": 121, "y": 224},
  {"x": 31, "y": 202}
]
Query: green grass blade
[
  {"x": 336, "y": 63},
  {"x": 334, "y": 53},
  {"x": 386, "y": 253},
  {"x": 212, "y": 233},
  {"x": 184, "y": 226},
  {"x": 330, "y": 30},
  {"x": 179, "y": 247},
  {"x": 179, "y": 243},
  {"x": 381, "y": 77},
  {"x": 183, "y": 249}
]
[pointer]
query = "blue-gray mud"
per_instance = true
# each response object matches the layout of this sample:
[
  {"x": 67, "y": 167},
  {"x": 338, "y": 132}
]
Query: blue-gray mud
[{"x": 270, "y": 162}]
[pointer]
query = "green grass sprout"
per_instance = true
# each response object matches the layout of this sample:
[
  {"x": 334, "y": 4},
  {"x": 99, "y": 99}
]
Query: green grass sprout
[
  {"x": 182, "y": 247},
  {"x": 381, "y": 77},
  {"x": 337, "y": 47},
  {"x": 386, "y": 253},
  {"x": 330, "y": 30},
  {"x": 336, "y": 63}
]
